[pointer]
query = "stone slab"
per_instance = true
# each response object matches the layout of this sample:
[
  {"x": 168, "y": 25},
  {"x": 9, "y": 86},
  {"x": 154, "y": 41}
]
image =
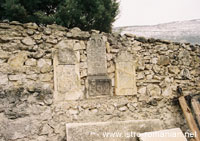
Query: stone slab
[
  {"x": 99, "y": 86},
  {"x": 164, "y": 135},
  {"x": 66, "y": 82},
  {"x": 96, "y": 55},
  {"x": 125, "y": 77},
  {"x": 66, "y": 54},
  {"x": 110, "y": 131}
]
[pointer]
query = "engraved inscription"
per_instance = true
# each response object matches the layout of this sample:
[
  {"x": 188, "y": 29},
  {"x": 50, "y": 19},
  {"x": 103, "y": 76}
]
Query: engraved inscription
[
  {"x": 96, "y": 55},
  {"x": 99, "y": 86}
]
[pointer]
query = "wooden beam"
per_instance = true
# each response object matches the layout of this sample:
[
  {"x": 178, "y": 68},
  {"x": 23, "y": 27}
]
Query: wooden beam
[
  {"x": 196, "y": 107},
  {"x": 189, "y": 118}
]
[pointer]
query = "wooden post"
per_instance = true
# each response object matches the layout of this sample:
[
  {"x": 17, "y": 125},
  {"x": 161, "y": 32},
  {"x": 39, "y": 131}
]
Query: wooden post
[
  {"x": 190, "y": 120},
  {"x": 196, "y": 108}
]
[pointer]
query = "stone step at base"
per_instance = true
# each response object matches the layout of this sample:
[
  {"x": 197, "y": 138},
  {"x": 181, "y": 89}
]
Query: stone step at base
[{"x": 111, "y": 131}]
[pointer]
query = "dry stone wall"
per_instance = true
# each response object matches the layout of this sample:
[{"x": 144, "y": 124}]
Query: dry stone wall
[{"x": 47, "y": 79}]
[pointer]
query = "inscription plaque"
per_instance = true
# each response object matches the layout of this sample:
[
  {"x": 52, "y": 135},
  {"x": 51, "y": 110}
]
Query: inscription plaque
[
  {"x": 66, "y": 81},
  {"x": 99, "y": 86}
]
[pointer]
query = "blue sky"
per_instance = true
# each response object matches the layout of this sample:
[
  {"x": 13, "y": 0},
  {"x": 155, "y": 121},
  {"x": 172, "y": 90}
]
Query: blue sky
[{"x": 150, "y": 12}]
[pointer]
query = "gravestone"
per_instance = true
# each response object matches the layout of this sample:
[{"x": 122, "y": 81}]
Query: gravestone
[
  {"x": 125, "y": 78},
  {"x": 96, "y": 56},
  {"x": 110, "y": 131},
  {"x": 99, "y": 84},
  {"x": 67, "y": 84}
]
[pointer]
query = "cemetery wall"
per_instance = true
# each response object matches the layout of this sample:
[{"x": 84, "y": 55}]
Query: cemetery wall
[{"x": 51, "y": 75}]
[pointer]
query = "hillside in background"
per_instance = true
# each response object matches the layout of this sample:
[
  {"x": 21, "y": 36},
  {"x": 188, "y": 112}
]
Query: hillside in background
[{"x": 182, "y": 31}]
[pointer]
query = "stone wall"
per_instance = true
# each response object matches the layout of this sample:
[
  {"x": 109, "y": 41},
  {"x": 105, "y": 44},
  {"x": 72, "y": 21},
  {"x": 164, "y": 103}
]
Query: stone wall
[{"x": 47, "y": 80}]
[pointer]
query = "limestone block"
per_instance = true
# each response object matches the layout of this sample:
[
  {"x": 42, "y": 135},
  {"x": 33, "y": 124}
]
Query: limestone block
[
  {"x": 96, "y": 55},
  {"x": 163, "y": 135},
  {"x": 110, "y": 131},
  {"x": 99, "y": 86},
  {"x": 125, "y": 77}
]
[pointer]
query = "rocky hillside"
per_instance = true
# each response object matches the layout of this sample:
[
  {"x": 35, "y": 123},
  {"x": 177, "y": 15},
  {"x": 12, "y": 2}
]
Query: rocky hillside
[{"x": 184, "y": 31}]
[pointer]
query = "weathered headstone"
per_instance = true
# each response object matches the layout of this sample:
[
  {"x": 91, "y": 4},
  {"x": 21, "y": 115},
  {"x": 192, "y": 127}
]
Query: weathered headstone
[
  {"x": 96, "y": 56},
  {"x": 110, "y": 131},
  {"x": 125, "y": 83},
  {"x": 98, "y": 82},
  {"x": 66, "y": 73}
]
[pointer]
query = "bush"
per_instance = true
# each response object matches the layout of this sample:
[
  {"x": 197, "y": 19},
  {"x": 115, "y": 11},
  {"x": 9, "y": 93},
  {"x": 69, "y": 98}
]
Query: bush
[{"x": 85, "y": 14}]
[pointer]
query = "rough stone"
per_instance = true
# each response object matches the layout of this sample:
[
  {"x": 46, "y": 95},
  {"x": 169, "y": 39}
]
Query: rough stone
[
  {"x": 185, "y": 74},
  {"x": 47, "y": 31},
  {"x": 28, "y": 41},
  {"x": 46, "y": 77},
  {"x": 174, "y": 69},
  {"x": 43, "y": 62},
  {"x": 142, "y": 90},
  {"x": 3, "y": 79},
  {"x": 31, "y": 62},
  {"x": 4, "y": 55},
  {"x": 164, "y": 60},
  {"x": 17, "y": 62},
  {"x": 79, "y": 46},
  {"x": 167, "y": 91},
  {"x": 77, "y": 33},
  {"x": 153, "y": 91},
  {"x": 18, "y": 77},
  {"x": 96, "y": 131}
]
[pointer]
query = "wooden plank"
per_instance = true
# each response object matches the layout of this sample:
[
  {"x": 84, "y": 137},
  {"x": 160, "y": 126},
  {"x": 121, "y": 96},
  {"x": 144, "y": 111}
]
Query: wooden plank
[
  {"x": 196, "y": 108},
  {"x": 190, "y": 120}
]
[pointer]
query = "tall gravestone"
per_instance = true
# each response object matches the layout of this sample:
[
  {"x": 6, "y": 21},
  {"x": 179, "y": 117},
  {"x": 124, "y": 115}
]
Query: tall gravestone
[
  {"x": 98, "y": 82},
  {"x": 66, "y": 73},
  {"x": 125, "y": 77}
]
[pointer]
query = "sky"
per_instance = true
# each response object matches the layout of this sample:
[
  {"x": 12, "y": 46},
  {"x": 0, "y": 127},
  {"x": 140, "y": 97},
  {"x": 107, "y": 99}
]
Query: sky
[{"x": 151, "y": 12}]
